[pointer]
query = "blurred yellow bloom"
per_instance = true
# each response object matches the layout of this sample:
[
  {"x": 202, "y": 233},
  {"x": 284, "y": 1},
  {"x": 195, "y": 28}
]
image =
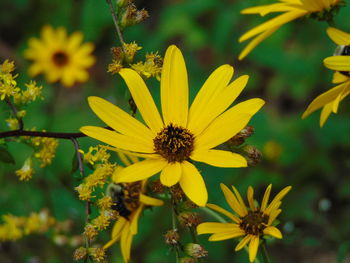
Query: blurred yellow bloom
[
  {"x": 60, "y": 57},
  {"x": 250, "y": 224},
  {"x": 292, "y": 10},
  {"x": 329, "y": 100},
  {"x": 183, "y": 133},
  {"x": 129, "y": 202}
]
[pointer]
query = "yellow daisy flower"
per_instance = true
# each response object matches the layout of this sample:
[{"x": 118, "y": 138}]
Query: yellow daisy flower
[
  {"x": 168, "y": 143},
  {"x": 60, "y": 57},
  {"x": 250, "y": 224},
  {"x": 129, "y": 201},
  {"x": 329, "y": 100},
  {"x": 292, "y": 10}
]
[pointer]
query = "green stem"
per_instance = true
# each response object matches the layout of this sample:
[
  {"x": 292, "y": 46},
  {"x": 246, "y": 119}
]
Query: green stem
[
  {"x": 264, "y": 253},
  {"x": 173, "y": 219},
  {"x": 213, "y": 214},
  {"x": 116, "y": 23}
]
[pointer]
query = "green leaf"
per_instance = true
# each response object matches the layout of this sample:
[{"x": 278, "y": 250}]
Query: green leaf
[{"x": 6, "y": 156}]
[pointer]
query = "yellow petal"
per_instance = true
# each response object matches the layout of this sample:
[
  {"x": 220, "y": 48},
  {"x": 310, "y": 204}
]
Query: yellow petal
[
  {"x": 228, "y": 124},
  {"x": 139, "y": 171},
  {"x": 340, "y": 63},
  {"x": 273, "y": 215},
  {"x": 116, "y": 232},
  {"x": 339, "y": 37},
  {"x": 193, "y": 184},
  {"x": 273, "y": 231},
  {"x": 226, "y": 235},
  {"x": 243, "y": 242},
  {"x": 211, "y": 227},
  {"x": 74, "y": 41},
  {"x": 143, "y": 99},
  {"x": 232, "y": 201},
  {"x": 253, "y": 248},
  {"x": 135, "y": 220},
  {"x": 219, "y": 158},
  {"x": 224, "y": 212},
  {"x": 174, "y": 88},
  {"x": 250, "y": 197},
  {"x": 256, "y": 41},
  {"x": 119, "y": 120},
  {"x": 324, "y": 99},
  {"x": 147, "y": 200},
  {"x": 339, "y": 77},
  {"x": 240, "y": 200},
  {"x": 273, "y": 23},
  {"x": 266, "y": 9},
  {"x": 278, "y": 198},
  {"x": 133, "y": 156},
  {"x": 116, "y": 139},
  {"x": 125, "y": 245},
  {"x": 266, "y": 197},
  {"x": 171, "y": 174},
  {"x": 217, "y": 105},
  {"x": 326, "y": 111},
  {"x": 200, "y": 107}
]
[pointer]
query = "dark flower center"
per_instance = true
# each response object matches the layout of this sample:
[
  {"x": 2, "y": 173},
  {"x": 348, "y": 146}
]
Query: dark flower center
[
  {"x": 254, "y": 223},
  {"x": 174, "y": 143},
  {"x": 60, "y": 58},
  {"x": 125, "y": 197}
]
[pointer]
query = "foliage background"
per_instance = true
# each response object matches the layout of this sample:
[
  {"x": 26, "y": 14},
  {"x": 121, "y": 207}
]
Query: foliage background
[{"x": 286, "y": 70}]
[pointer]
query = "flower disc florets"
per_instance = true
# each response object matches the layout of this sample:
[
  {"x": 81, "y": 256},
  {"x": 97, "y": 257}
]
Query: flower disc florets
[
  {"x": 174, "y": 143},
  {"x": 60, "y": 58},
  {"x": 254, "y": 223}
]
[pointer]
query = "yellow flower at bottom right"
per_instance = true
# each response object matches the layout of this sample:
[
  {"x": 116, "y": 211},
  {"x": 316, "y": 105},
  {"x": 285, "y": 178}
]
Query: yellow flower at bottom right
[
  {"x": 340, "y": 62},
  {"x": 250, "y": 224}
]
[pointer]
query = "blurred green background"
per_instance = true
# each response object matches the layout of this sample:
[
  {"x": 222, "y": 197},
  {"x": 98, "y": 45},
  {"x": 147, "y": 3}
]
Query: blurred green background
[{"x": 285, "y": 70}]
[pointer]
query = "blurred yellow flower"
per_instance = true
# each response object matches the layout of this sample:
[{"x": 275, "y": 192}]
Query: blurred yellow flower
[
  {"x": 60, "y": 57},
  {"x": 292, "y": 10},
  {"x": 129, "y": 201},
  {"x": 250, "y": 224},
  {"x": 182, "y": 134},
  {"x": 329, "y": 100}
]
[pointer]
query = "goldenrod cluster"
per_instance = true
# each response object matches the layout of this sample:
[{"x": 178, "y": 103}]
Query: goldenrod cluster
[
  {"x": 12, "y": 123},
  {"x": 32, "y": 92},
  {"x": 8, "y": 85},
  {"x": 26, "y": 172},
  {"x": 46, "y": 149},
  {"x": 151, "y": 67},
  {"x": 95, "y": 154},
  {"x": 9, "y": 88},
  {"x": 15, "y": 227}
]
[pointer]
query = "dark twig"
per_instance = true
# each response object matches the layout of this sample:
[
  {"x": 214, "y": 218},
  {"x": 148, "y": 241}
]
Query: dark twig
[{"x": 58, "y": 135}]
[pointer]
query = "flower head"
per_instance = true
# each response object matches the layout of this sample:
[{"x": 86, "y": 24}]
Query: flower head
[
  {"x": 250, "y": 223},
  {"x": 292, "y": 10},
  {"x": 183, "y": 134},
  {"x": 60, "y": 57},
  {"x": 340, "y": 62},
  {"x": 129, "y": 200}
]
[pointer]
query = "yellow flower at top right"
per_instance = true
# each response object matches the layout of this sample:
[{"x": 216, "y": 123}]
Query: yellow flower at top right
[
  {"x": 292, "y": 10},
  {"x": 340, "y": 62}
]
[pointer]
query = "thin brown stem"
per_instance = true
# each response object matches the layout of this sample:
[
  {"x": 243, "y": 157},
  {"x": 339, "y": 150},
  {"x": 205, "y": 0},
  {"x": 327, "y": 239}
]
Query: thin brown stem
[
  {"x": 116, "y": 22},
  {"x": 15, "y": 113},
  {"x": 79, "y": 156}
]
